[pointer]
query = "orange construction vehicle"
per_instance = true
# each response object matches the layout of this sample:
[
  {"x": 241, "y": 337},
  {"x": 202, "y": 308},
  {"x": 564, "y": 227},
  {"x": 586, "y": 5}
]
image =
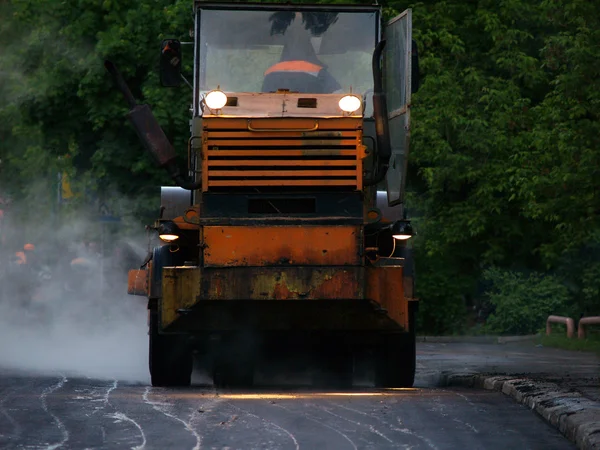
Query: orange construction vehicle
[{"x": 288, "y": 228}]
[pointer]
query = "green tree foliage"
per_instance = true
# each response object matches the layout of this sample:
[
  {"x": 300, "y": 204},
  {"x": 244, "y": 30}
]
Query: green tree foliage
[
  {"x": 522, "y": 303},
  {"x": 505, "y": 146},
  {"x": 62, "y": 106}
]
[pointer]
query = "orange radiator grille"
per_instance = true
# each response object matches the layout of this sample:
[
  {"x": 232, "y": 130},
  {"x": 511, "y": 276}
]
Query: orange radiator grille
[{"x": 295, "y": 153}]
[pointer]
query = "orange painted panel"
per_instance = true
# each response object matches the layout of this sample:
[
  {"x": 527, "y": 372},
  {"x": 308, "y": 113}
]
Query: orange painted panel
[
  {"x": 281, "y": 245},
  {"x": 250, "y": 152},
  {"x": 319, "y": 182},
  {"x": 385, "y": 286},
  {"x": 297, "y": 142},
  {"x": 137, "y": 282},
  {"x": 282, "y": 173}
]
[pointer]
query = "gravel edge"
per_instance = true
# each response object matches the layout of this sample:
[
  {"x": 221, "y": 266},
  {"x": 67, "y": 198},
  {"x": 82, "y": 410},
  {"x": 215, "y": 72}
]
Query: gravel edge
[{"x": 576, "y": 417}]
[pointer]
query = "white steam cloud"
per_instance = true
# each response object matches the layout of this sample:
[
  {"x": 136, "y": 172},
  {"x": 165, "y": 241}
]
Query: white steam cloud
[{"x": 76, "y": 319}]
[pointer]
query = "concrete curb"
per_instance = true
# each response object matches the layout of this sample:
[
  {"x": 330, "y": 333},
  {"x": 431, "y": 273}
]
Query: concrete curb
[
  {"x": 577, "y": 417},
  {"x": 476, "y": 339}
]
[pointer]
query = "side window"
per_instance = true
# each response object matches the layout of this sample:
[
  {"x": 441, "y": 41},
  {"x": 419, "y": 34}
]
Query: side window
[{"x": 397, "y": 82}]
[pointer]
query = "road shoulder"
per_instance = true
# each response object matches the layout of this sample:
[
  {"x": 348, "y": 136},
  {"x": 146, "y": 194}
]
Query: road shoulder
[{"x": 575, "y": 415}]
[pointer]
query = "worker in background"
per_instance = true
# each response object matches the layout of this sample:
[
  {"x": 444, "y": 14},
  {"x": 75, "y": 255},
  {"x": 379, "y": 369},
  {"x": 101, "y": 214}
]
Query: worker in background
[
  {"x": 21, "y": 274},
  {"x": 83, "y": 268},
  {"x": 30, "y": 255},
  {"x": 24, "y": 257},
  {"x": 299, "y": 68},
  {"x": 20, "y": 259}
]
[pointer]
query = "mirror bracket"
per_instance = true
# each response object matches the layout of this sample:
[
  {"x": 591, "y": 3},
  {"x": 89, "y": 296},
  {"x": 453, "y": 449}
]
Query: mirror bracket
[{"x": 170, "y": 63}]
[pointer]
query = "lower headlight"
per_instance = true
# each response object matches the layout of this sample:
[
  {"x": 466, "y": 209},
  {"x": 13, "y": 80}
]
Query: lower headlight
[
  {"x": 168, "y": 231},
  {"x": 350, "y": 103},
  {"x": 402, "y": 230},
  {"x": 215, "y": 99}
]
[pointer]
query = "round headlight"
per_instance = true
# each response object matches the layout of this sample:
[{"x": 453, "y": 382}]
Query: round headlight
[
  {"x": 168, "y": 231},
  {"x": 349, "y": 103},
  {"x": 215, "y": 99}
]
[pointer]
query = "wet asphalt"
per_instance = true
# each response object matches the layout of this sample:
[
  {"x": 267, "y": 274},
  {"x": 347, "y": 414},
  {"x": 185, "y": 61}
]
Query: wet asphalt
[{"x": 62, "y": 411}]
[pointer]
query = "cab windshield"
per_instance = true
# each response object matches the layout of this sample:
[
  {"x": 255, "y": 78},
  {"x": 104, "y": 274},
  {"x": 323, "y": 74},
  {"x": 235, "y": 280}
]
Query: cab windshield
[{"x": 306, "y": 51}]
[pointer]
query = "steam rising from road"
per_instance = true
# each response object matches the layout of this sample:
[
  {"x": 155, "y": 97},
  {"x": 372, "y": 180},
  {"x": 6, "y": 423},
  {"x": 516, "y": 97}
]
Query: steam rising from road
[
  {"x": 53, "y": 318},
  {"x": 75, "y": 320}
]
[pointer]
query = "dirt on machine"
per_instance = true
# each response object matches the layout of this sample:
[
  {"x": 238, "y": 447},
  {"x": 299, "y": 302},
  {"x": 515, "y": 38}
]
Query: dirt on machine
[{"x": 287, "y": 231}]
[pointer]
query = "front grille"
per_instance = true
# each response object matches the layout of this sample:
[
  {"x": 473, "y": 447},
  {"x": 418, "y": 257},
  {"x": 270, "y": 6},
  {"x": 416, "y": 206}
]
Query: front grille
[{"x": 270, "y": 154}]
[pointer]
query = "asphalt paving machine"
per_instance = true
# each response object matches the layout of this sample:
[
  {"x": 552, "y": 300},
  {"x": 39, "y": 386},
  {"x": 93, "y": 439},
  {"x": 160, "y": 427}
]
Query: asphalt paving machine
[{"x": 288, "y": 227}]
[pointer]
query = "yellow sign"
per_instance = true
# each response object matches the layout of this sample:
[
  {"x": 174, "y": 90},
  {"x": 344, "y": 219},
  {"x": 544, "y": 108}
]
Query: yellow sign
[{"x": 66, "y": 192}]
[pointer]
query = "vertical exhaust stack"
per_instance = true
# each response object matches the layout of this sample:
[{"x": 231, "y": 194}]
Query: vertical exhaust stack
[
  {"x": 380, "y": 112},
  {"x": 150, "y": 133}
]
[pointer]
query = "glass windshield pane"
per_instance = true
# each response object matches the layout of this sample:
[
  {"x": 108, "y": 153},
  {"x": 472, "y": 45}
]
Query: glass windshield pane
[{"x": 308, "y": 52}]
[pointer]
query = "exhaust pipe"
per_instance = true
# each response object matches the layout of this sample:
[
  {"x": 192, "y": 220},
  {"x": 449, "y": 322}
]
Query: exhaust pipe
[
  {"x": 150, "y": 133},
  {"x": 382, "y": 132}
]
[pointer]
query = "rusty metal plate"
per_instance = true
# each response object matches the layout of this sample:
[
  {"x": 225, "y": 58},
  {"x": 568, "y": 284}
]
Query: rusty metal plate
[
  {"x": 180, "y": 290},
  {"x": 290, "y": 283}
]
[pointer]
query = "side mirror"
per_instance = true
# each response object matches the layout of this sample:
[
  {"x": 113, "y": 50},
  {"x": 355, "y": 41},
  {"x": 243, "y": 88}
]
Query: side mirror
[
  {"x": 170, "y": 63},
  {"x": 414, "y": 76}
]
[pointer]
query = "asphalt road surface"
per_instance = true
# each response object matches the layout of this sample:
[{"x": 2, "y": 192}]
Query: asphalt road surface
[{"x": 52, "y": 412}]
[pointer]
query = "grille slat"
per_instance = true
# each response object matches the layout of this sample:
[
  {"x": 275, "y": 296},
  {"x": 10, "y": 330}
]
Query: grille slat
[
  {"x": 244, "y": 134},
  {"x": 267, "y": 182},
  {"x": 284, "y": 143},
  {"x": 282, "y": 173},
  {"x": 281, "y": 153},
  {"x": 213, "y": 164}
]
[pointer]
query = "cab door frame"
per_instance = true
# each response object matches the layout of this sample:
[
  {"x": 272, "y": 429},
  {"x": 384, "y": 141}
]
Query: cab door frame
[{"x": 397, "y": 63}]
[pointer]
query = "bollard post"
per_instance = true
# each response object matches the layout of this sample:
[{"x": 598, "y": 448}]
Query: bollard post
[
  {"x": 594, "y": 320},
  {"x": 560, "y": 319}
]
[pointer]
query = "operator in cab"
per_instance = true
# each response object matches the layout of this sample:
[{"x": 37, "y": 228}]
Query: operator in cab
[{"x": 299, "y": 68}]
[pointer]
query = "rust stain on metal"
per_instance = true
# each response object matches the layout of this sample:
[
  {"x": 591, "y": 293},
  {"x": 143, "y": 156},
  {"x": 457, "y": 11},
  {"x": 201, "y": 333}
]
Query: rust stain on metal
[
  {"x": 341, "y": 284},
  {"x": 180, "y": 290},
  {"x": 322, "y": 134},
  {"x": 325, "y": 142},
  {"x": 291, "y": 283},
  {"x": 385, "y": 287},
  {"x": 218, "y": 285}
]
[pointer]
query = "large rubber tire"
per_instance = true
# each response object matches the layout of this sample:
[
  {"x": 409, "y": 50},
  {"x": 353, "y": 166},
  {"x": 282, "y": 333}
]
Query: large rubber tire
[
  {"x": 395, "y": 361},
  {"x": 170, "y": 358}
]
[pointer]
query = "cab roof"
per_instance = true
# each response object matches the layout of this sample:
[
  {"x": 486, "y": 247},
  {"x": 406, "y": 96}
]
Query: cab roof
[{"x": 336, "y": 7}]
